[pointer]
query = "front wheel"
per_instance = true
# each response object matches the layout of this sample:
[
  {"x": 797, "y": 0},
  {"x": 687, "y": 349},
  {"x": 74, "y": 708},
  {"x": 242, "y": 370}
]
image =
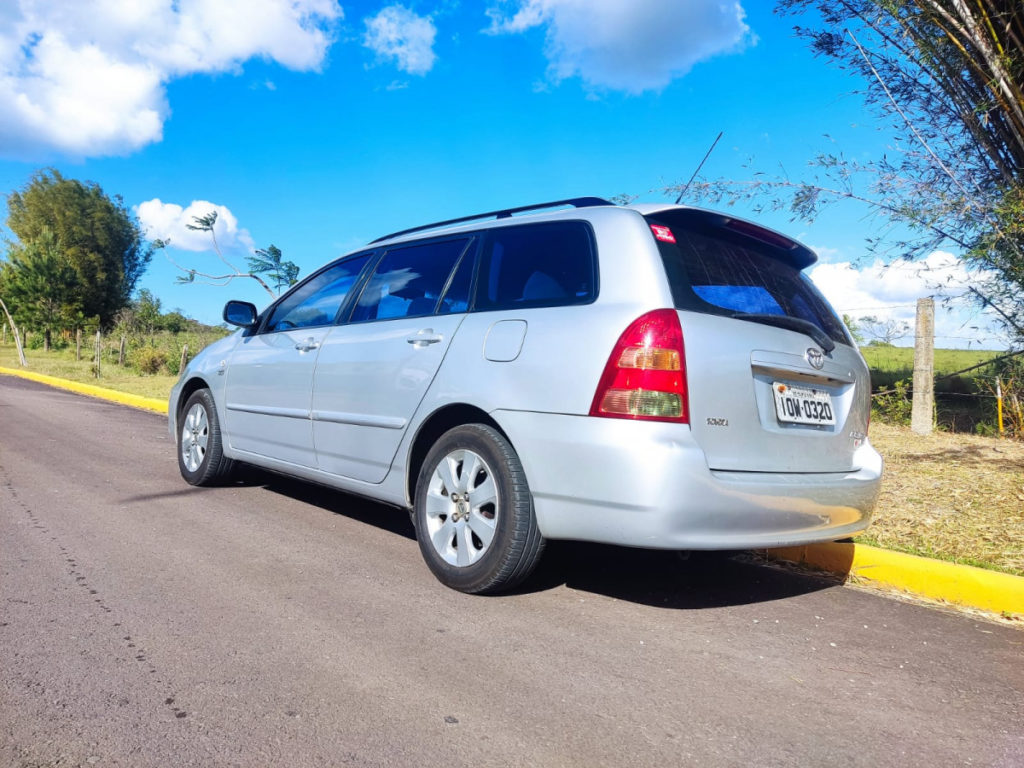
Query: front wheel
[
  {"x": 201, "y": 456},
  {"x": 474, "y": 512}
]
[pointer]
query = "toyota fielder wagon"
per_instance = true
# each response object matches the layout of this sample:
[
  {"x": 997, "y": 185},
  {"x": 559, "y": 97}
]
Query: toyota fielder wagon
[{"x": 653, "y": 376}]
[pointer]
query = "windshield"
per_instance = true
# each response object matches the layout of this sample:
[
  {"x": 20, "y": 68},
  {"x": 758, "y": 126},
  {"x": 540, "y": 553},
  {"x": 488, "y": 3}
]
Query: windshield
[{"x": 716, "y": 270}]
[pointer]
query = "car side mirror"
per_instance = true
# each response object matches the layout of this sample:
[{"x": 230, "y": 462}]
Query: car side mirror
[{"x": 240, "y": 313}]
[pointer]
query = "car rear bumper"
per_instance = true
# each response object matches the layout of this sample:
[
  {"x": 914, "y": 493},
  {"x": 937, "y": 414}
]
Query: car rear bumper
[{"x": 647, "y": 484}]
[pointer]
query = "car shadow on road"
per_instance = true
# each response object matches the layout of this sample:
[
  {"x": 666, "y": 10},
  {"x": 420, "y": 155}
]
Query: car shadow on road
[
  {"x": 667, "y": 579},
  {"x": 664, "y": 579},
  {"x": 390, "y": 519}
]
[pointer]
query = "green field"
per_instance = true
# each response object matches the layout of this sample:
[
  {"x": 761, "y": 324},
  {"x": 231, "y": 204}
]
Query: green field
[
  {"x": 887, "y": 361},
  {"x": 964, "y": 402}
]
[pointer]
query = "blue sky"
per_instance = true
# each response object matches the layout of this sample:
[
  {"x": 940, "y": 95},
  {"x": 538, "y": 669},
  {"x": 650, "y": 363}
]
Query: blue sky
[{"x": 318, "y": 126}]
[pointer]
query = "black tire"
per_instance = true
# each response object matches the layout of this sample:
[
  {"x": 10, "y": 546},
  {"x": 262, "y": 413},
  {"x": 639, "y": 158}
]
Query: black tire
[
  {"x": 516, "y": 546},
  {"x": 200, "y": 445}
]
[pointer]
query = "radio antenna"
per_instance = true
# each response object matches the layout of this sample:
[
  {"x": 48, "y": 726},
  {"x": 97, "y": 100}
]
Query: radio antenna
[{"x": 712, "y": 149}]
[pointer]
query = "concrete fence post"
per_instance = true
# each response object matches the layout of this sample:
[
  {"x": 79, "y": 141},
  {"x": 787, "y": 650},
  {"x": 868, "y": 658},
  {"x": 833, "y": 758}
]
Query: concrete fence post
[{"x": 922, "y": 417}]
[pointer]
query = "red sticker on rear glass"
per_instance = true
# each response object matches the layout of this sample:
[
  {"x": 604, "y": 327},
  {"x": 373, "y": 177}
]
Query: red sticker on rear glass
[{"x": 663, "y": 233}]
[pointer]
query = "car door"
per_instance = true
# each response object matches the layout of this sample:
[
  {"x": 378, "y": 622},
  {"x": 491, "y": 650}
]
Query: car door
[
  {"x": 374, "y": 370},
  {"x": 270, "y": 373}
]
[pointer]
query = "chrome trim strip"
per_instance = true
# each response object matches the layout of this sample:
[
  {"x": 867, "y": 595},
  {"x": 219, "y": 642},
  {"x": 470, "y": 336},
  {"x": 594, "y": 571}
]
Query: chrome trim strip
[
  {"x": 287, "y": 413},
  {"x": 359, "y": 419}
]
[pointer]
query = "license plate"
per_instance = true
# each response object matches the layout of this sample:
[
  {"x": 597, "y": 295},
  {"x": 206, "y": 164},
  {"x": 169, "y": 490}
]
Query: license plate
[{"x": 802, "y": 405}]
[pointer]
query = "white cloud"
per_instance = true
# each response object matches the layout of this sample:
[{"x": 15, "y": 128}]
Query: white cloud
[
  {"x": 877, "y": 288},
  {"x": 168, "y": 222},
  {"x": 89, "y": 78},
  {"x": 634, "y": 47},
  {"x": 890, "y": 292},
  {"x": 399, "y": 34}
]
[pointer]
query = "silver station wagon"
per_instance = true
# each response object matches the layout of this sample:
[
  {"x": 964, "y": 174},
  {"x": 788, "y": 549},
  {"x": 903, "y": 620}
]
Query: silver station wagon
[{"x": 653, "y": 376}]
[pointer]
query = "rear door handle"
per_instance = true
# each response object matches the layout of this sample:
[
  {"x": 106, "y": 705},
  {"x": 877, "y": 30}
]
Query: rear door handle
[
  {"x": 308, "y": 345},
  {"x": 424, "y": 337}
]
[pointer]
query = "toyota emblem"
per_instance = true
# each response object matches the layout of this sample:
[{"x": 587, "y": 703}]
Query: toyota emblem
[{"x": 816, "y": 358}]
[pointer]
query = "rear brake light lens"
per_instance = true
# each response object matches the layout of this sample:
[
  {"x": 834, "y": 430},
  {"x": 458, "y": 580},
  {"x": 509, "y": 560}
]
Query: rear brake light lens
[
  {"x": 760, "y": 233},
  {"x": 645, "y": 377}
]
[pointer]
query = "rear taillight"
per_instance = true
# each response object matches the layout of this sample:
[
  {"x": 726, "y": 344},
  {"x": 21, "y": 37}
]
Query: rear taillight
[{"x": 645, "y": 377}]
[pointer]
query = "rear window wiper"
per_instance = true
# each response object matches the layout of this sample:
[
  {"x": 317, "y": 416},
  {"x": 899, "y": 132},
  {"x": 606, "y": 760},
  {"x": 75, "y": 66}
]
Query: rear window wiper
[{"x": 792, "y": 324}]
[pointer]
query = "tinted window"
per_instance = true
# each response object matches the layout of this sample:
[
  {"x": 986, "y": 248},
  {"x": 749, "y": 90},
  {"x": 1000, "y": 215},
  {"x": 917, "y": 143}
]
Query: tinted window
[
  {"x": 408, "y": 281},
  {"x": 317, "y": 301},
  {"x": 723, "y": 272},
  {"x": 537, "y": 265}
]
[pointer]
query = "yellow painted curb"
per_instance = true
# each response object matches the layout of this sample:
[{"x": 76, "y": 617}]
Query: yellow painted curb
[
  {"x": 935, "y": 579},
  {"x": 136, "y": 401}
]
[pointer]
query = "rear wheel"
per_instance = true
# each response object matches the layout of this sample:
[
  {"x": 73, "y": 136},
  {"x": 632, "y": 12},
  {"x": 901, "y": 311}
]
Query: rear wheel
[
  {"x": 474, "y": 512},
  {"x": 200, "y": 446}
]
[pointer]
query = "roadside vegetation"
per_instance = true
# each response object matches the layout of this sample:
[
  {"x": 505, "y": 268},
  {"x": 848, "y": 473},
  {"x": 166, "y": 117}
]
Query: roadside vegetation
[
  {"x": 142, "y": 354},
  {"x": 965, "y": 389},
  {"x": 70, "y": 263}
]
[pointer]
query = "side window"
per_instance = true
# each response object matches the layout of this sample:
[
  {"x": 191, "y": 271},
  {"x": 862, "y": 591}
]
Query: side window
[
  {"x": 537, "y": 265},
  {"x": 317, "y": 301},
  {"x": 408, "y": 281}
]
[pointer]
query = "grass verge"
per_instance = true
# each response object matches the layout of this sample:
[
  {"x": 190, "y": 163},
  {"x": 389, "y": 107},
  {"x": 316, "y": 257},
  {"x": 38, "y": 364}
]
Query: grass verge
[
  {"x": 63, "y": 364},
  {"x": 955, "y": 497}
]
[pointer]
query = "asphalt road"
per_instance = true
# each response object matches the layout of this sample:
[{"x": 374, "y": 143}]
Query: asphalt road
[{"x": 147, "y": 623}]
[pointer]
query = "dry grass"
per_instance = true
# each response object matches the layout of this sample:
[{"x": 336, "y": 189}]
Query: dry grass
[{"x": 952, "y": 496}]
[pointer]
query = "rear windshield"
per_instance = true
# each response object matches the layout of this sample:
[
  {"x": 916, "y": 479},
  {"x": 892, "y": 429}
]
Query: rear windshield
[{"x": 719, "y": 271}]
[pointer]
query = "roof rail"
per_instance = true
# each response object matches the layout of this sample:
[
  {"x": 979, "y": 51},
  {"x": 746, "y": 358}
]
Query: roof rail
[{"x": 578, "y": 202}]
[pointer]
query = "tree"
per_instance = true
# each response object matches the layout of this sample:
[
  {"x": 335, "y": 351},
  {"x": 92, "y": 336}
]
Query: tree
[
  {"x": 98, "y": 236},
  {"x": 268, "y": 261},
  {"x": 949, "y": 76},
  {"x": 883, "y": 331},
  {"x": 147, "y": 311},
  {"x": 41, "y": 285},
  {"x": 265, "y": 261},
  {"x": 144, "y": 317},
  {"x": 176, "y": 322},
  {"x": 854, "y": 327}
]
